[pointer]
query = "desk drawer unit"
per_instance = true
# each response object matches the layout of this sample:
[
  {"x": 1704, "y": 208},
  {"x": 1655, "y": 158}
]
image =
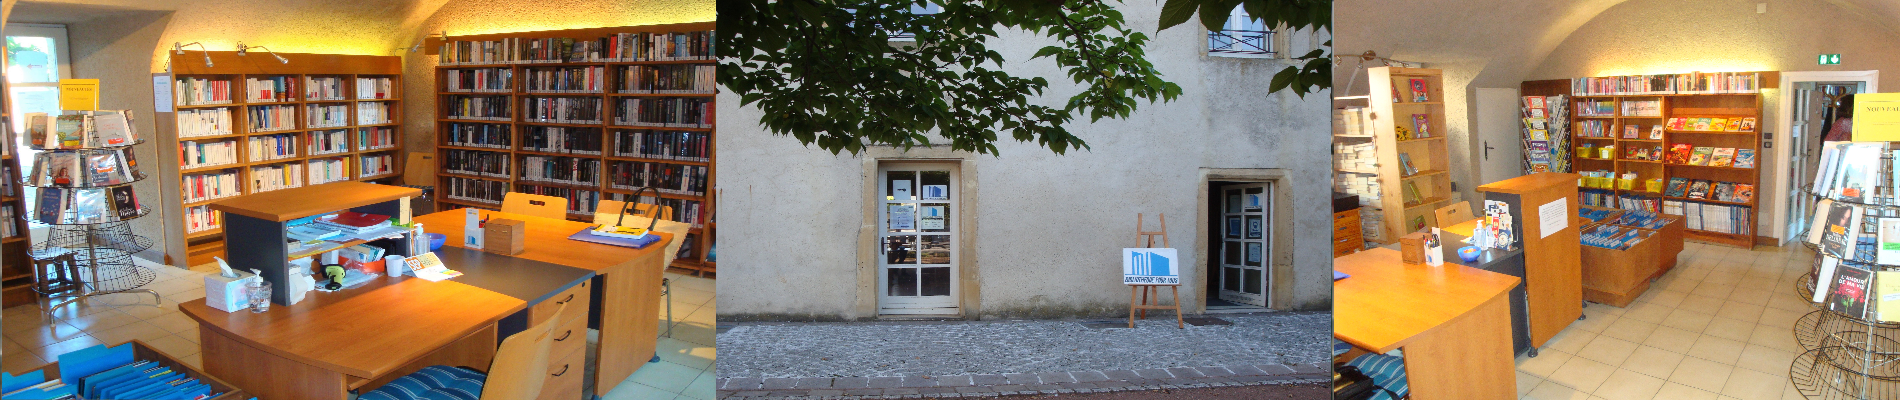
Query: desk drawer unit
[
  {"x": 576, "y": 297},
  {"x": 568, "y": 336},
  {"x": 564, "y": 375},
  {"x": 1347, "y": 233}
]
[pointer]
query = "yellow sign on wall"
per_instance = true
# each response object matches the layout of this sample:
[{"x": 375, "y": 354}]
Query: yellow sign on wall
[
  {"x": 79, "y": 94},
  {"x": 1877, "y": 117}
]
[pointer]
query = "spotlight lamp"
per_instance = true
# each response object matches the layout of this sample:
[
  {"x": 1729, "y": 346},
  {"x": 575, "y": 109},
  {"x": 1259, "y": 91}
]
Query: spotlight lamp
[
  {"x": 180, "y": 50},
  {"x": 244, "y": 50}
]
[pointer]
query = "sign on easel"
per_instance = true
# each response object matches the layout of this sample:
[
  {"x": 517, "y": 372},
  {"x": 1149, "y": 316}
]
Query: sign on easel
[{"x": 1150, "y": 266}]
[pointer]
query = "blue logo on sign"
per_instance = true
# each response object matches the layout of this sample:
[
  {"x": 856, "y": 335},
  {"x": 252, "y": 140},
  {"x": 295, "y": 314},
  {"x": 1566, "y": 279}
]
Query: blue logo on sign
[{"x": 1149, "y": 263}]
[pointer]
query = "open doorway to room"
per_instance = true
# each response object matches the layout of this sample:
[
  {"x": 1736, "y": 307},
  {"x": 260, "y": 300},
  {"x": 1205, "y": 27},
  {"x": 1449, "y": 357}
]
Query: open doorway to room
[
  {"x": 1240, "y": 246},
  {"x": 1810, "y": 102}
]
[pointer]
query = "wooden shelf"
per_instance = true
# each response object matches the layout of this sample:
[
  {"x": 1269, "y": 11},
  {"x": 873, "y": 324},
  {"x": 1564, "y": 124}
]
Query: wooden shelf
[
  {"x": 1711, "y": 167},
  {"x": 656, "y": 160},
  {"x": 663, "y": 94},
  {"x": 1688, "y": 106},
  {"x": 1422, "y": 174},
  {"x": 1751, "y": 203},
  {"x": 1714, "y": 132},
  {"x": 13, "y": 239},
  {"x": 204, "y": 233}
]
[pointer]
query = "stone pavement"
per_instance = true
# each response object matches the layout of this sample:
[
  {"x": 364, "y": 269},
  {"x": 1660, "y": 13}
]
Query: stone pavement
[{"x": 993, "y": 358}]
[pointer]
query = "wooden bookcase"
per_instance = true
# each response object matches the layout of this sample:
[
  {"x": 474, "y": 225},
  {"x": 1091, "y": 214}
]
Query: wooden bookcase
[
  {"x": 517, "y": 125},
  {"x": 1676, "y": 105},
  {"x": 16, "y": 277},
  {"x": 1392, "y": 105},
  {"x": 300, "y": 68}
]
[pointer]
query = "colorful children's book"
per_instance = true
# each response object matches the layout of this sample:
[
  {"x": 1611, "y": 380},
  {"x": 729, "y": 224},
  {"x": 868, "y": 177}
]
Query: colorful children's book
[
  {"x": 1744, "y": 158},
  {"x": 1700, "y": 124},
  {"x": 1698, "y": 190},
  {"x": 1718, "y": 124},
  {"x": 1629, "y": 131},
  {"x": 1677, "y": 186},
  {"x": 1723, "y": 191},
  {"x": 1722, "y": 157},
  {"x": 1679, "y": 153},
  {"x": 1734, "y": 125},
  {"x": 1656, "y": 132},
  {"x": 1418, "y": 91},
  {"x": 1748, "y": 124},
  {"x": 1422, "y": 123},
  {"x": 1700, "y": 156},
  {"x": 1678, "y": 123},
  {"x": 1744, "y": 192}
]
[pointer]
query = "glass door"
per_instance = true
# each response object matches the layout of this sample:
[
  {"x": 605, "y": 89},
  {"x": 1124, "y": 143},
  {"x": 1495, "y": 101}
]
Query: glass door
[
  {"x": 36, "y": 61},
  {"x": 1246, "y": 244},
  {"x": 917, "y": 240}
]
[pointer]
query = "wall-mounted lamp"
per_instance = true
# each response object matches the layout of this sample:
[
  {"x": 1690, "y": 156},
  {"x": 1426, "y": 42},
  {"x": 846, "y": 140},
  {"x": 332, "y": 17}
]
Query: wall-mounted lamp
[
  {"x": 244, "y": 50},
  {"x": 180, "y": 50}
]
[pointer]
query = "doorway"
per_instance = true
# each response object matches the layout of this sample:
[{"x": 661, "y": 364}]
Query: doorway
[
  {"x": 36, "y": 61},
  {"x": 1245, "y": 246},
  {"x": 1807, "y": 101},
  {"x": 917, "y": 240}
]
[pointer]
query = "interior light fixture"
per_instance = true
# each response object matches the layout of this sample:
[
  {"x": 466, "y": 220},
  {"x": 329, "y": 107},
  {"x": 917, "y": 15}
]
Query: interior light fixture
[
  {"x": 244, "y": 50},
  {"x": 180, "y": 50}
]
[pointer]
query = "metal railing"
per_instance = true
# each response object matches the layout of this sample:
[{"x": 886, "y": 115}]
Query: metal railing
[{"x": 1240, "y": 42}]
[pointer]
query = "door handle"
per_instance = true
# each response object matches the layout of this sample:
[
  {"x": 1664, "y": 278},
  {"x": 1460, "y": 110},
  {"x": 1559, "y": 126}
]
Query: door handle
[{"x": 1487, "y": 149}]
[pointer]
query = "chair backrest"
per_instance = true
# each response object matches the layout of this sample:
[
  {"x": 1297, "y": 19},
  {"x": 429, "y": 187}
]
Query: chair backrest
[
  {"x": 609, "y": 210},
  {"x": 1453, "y": 214},
  {"x": 534, "y": 205},
  {"x": 520, "y": 367}
]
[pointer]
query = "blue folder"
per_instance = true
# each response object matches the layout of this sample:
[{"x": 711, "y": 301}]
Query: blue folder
[{"x": 640, "y": 243}]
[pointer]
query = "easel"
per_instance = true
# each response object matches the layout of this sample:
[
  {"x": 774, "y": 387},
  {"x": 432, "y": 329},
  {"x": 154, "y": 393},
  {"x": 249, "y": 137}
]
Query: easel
[{"x": 1143, "y": 291}]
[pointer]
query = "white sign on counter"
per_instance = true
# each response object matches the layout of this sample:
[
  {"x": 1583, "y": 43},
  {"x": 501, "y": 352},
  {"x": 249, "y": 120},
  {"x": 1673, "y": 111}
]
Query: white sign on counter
[{"x": 1553, "y": 216}]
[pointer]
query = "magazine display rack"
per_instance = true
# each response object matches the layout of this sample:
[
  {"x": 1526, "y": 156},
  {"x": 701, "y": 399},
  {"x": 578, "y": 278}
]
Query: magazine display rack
[
  {"x": 89, "y": 221},
  {"x": 1848, "y": 356}
]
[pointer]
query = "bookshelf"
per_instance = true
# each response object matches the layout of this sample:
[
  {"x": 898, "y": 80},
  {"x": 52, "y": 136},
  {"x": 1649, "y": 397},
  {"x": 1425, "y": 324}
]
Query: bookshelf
[
  {"x": 330, "y": 118},
  {"x": 16, "y": 277},
  {"x": 511, "y": 117},
  {"x": 1408, "y": 196},
  {"x": 1649, "y": 101}
]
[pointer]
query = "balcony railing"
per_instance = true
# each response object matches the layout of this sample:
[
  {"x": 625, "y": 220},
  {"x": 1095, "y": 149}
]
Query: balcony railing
[{"x": 1241, "y": 43}]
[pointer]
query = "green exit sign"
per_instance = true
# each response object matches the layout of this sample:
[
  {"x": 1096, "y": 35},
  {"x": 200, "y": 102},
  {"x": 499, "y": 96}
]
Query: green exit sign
[{"x": 1830, "y": 59}]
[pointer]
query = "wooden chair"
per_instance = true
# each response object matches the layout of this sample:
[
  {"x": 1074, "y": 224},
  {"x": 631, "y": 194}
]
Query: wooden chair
[
  {"x": 518, "y": 372},
  {"x": 1144, "y": 291},
  {"x": 534, "y": 205},
  {"x": 1453, "y": 214},
  {"x": 608, "y": 212}
]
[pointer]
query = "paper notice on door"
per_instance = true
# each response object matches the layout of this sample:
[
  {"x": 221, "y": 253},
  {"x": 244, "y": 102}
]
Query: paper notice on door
[
  {"x": 162, "y": 93},
  {"x": 932, "y": 217},
  {"x": 1553, "y": 216},
  {"x": 903, "y": 217}
]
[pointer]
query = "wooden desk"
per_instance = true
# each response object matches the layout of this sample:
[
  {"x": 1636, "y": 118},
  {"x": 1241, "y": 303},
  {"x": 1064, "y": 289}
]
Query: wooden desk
[
  {"x": 626, "y": 291},
  {"x": 1553, "y": 271},
  {"x": 334, "y": 342},
  {"x": 1453, "y": 322}
]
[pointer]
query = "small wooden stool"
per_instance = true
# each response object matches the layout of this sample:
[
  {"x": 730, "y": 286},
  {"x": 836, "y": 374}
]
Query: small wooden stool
[{"x": 1144, "y": 291}]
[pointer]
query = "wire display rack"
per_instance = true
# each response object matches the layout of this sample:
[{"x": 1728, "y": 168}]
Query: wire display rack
[
  {"x": 1848, "y": 357},
  {"x": 94, "y": 236}
]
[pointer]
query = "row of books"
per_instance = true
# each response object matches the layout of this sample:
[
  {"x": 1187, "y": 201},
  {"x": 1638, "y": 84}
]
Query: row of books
[
  {"x": 556, "y": 139},
  {"x": 272, "y": 118},
  {"x": 476, "y": 163},
  {"x": 1718, "y": 218},
  {"x": 1634, "y": 131},
  {"x": 210, "y": 186},
  {"x": 1613, "y": 237},
  {"x": 1687, "y": 83},
  {"x": 688, "y": 211},
  {"x": 1641, "y": 219},
  {"x": 375, "y": 138},
  {"x": 492, "y": 108},
  {"x": 86, "y": 168},
  {"x": 1596, "y": 108},
  {"x": 323, "y": 88},
  {"x": 86, "y": 205},
  {"x": 326, "y": 116},
  {"x": 585, "y": 79},
  {"x": 578, "y": 200},
  {"x": 1839, "y": 228},
  {"x": 668, "y": 79},
  {"x": 81, "y": 129},
  {"x": 1852, "y": 170},
  {"x": 1654, "y": 153},
  {"x": 1858, "y": 290},
  {"x": 202, "y": 91},
  {"x": 329, "y": 170},
  {"x": 272, "y": 147},
  {"x": 1639, "y": 203},
  {"x": 1712, "y": 124},
  {"x": 1596, "y": 198},
  {"x": 375, "y": 88},
  {"x": 8, "y": 228},
  {"x": 376, "y": 165},
  {"x": 666, "y": 112},
  {"x": 479, "y": 80},
  {"x": 373, "y": 112},
  {"x": 1686, "y": 154},
  {"x": 664, "y": 145},
  {"x": 205, "y": 154},
  {"x": 1546, "y": 144},
  {"x": 678, "y": 179},
  {"x": 1594, "y": 128},
  {"x": 1642, "y": 108},
  {"x": 474, "y": 190},
  {"x": 202, "y": 218},
  {"x": 8, "y": 187},
  {"x": 269, "y": 89},
  {"x": 204, "y": 122},
  {"x": 617, "y": 47},
  {"x": 565, "y": 170},
  {"x": 563, "y": 110},
  {"x": 495, "y": 136},
  {"x": 1710, "y": 190},
  {"x": 276, "y": 177},
  {"x": 329, "y": 142}
]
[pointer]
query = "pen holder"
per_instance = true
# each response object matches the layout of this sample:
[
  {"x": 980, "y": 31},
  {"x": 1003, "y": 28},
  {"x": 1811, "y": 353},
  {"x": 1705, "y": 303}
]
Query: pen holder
[
  {"x": 227, "y": 294},
  {"x": 505, "y": 237}
]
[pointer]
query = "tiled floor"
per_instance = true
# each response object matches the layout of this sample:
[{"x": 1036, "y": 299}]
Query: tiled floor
[
  {"x": 1718, "y": 326},
  {"x": 31, "y": 340}
]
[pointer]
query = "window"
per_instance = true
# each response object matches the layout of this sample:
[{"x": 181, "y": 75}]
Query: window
[
  {"x": 922, "y": 11},
  {"x": 1244, "y": 36},
  {"x": 36, "y": 61}
]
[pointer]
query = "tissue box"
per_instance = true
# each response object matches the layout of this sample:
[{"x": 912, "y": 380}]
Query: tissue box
[{"x": 227, "y": 294}]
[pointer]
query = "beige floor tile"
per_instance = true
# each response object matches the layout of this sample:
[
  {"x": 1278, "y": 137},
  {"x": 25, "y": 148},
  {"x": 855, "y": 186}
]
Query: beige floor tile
[
  {"x": 1740, "y": 311},
  {"x": 1702, "y": 374},
  {"x": 1654, "y": 313},
  {"x": 1582, "y": 374},
  {"x": 1526, "y": 382},
  {"x": 174, "y": 322},
  {"x": 1607, "y": 350},
  {"x": 1748, "y": 384},
  {"x": 101, "y": 321},
  {"x": 137, "y": 330},
  {"x": 1688, "y": 320},
  {"x": 1593, "y": 324},
  {"x": 1545, "y": 363},
  {"x": 1779, "y": 317},
  {"x": 1629, "y": 329},
  {"x": 7, "y": 345},
  {"x": 1729, "y": 329},
  {"x": 1711, "y": 289},
  {"x": 1764, "y": 359},
  {"x": 1551, "y": 390},
  {"x": 1653, "y": 361},
  {"x": 1790, "y": 303},
  {"x": 1570, "y": 340},
  {"x": 1672, "y": 339},
  {"x": 172, "y": 345},
  {"x": 1767, "y": 335},
  {"x": 1716, "y": 349},
  {"x": 45, "y": 335},
  {"x": 52, "y": 351},
  {"x": 15, "y": 363},
  {"x": 1702, "y": 303},
  {"x": 1626, "y": 384}
]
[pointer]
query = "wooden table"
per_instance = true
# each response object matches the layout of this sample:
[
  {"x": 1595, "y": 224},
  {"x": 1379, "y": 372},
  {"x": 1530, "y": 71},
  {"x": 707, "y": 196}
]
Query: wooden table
[
  {"x": 626, "y": 293},
  {"x": 334, "y": 342},
  {"x": 1452, "y": 321}
]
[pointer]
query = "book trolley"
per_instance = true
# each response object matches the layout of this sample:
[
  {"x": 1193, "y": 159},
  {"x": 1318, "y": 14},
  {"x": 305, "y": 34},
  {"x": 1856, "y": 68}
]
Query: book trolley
[{"x": 1845, "y": 356}]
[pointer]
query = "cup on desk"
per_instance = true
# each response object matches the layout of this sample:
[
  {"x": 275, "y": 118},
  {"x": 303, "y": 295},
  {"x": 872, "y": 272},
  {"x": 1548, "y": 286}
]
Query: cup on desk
[{"x": 259, "y": 291}]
